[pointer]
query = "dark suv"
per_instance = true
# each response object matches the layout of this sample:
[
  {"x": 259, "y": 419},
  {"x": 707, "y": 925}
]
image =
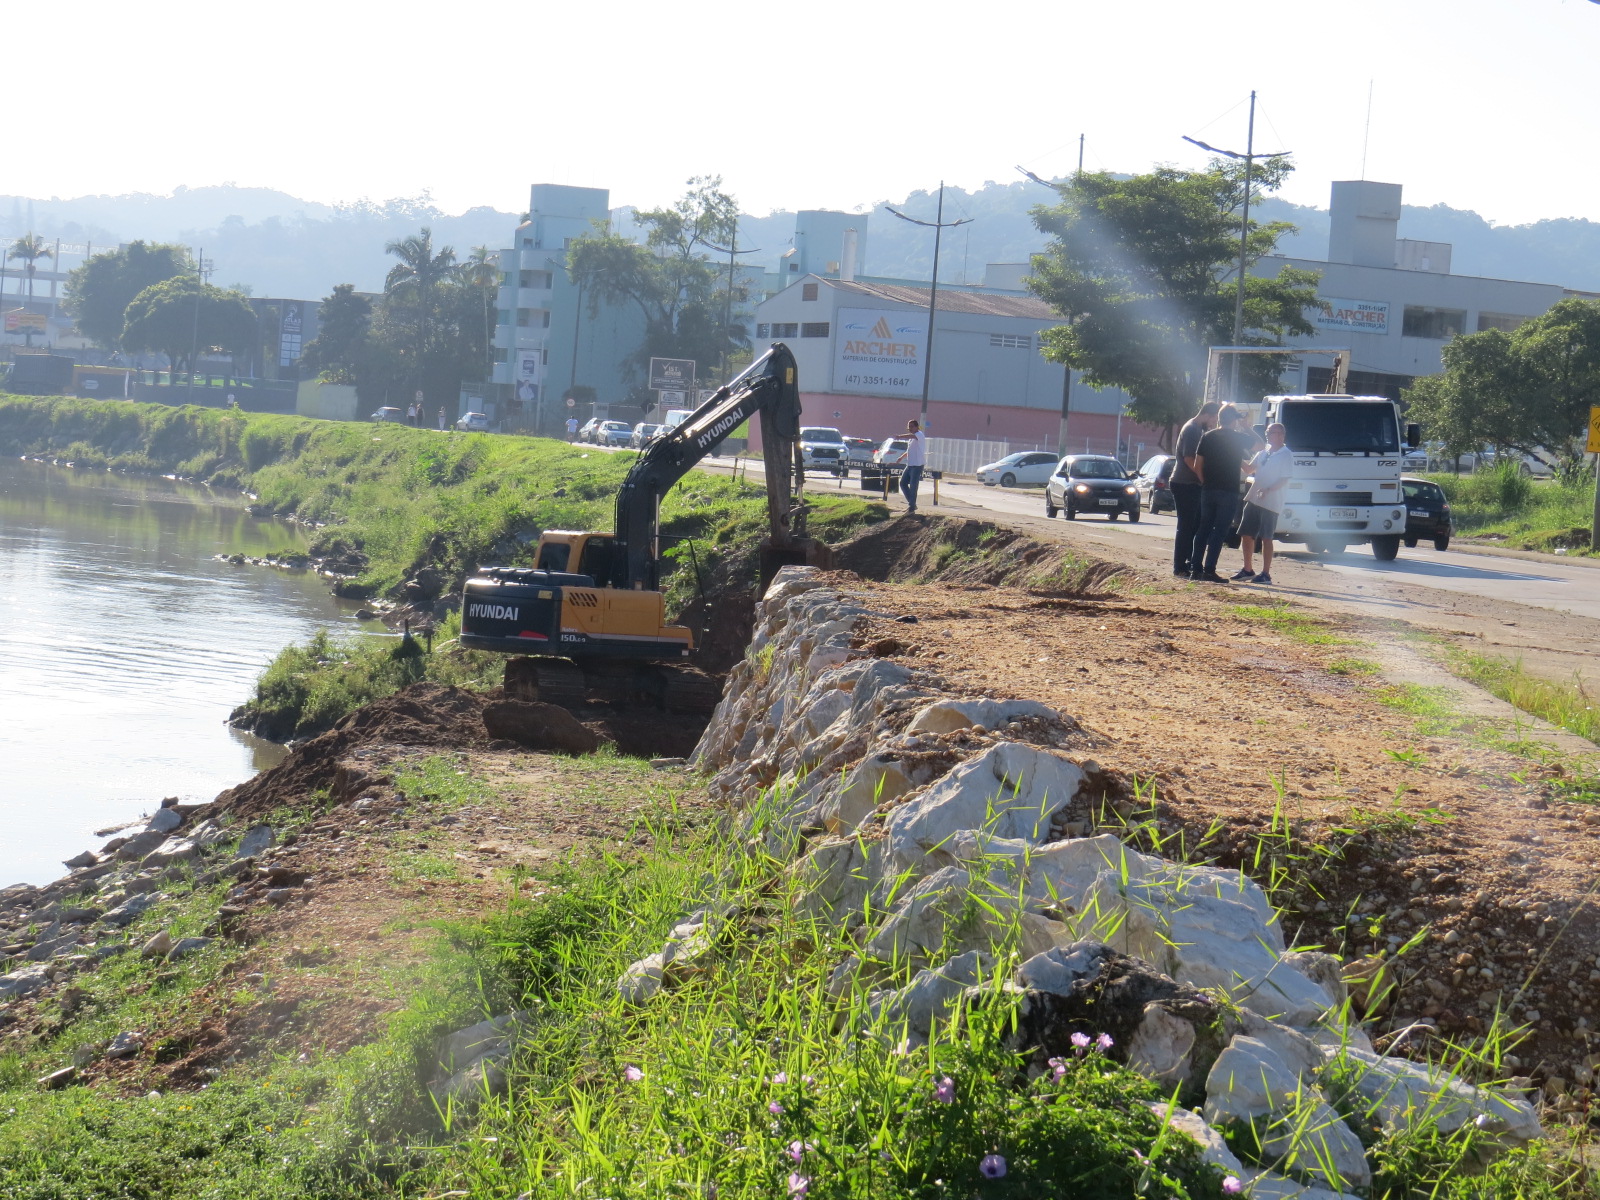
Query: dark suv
[{"x": 1427, "y": 513}]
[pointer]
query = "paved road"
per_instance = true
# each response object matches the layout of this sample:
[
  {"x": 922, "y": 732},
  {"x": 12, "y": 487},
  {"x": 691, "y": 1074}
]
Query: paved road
[{"x": 1571, "y": 588}]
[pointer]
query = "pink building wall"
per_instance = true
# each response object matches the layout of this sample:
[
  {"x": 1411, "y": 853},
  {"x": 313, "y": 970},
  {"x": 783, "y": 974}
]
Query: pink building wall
[{"x": 879, "y": 417}]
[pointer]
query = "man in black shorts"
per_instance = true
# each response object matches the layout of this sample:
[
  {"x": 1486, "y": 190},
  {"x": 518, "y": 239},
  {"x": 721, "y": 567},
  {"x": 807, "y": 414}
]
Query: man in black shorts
[{"x": 1262, "y": 504}]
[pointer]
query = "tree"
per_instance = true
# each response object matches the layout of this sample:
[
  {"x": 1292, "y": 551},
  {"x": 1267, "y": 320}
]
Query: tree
[
  {"x": 413, "y": 283},
  {"x": 342, "y": 348},
  {"x": 99, "y": 291},
  {"x": 481, "y": 273},
  {"x": 672, "y": 278},
  {"x": 1529, "y": 390},
  {"x": 1146, "y": 271},
  {"x": 28, "y": 249},
  {"x": 180, "y": 316}
]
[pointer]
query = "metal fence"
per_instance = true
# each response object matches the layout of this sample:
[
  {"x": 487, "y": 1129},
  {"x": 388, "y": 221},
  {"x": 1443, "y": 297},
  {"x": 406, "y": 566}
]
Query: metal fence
[{"x": 959, "y": 456}]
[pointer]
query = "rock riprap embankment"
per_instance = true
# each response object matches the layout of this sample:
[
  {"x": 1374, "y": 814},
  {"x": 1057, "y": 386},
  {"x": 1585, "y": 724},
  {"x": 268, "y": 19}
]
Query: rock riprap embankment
[
  {"x": 50, "y": 935},
  {"x": 896, "y": 804}
]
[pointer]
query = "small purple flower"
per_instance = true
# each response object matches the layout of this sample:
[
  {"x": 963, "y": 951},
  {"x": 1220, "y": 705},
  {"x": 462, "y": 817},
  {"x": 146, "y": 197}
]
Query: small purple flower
[
  {"x": 797, "y": 1150},
  {"x": 781, "y": 1077},
  {"x": 632, "y": 1074},
  {"x": 1080, "y": 1043},
  {"x": 993, "y": 1166},
  {"x": 1231, "y": 1186},
  {"x": 945, "y": 1091},
  {"x": 799, "y": 1185},
  {"x": 712, "y": 1191},
  {"x": 808, "y": 1080},
  {"x": 775, "y": 1108},
  {"x": 1104, "y": 1042},
  {"x": 1059, "y": 1067}
]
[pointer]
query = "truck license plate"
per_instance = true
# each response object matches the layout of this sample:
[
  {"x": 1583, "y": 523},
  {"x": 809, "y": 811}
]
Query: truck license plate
[{"x": 1341, "y": 512}]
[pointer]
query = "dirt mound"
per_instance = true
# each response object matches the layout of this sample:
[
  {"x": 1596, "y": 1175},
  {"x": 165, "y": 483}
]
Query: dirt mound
[
  {"x": 926, "y": 549},
  {"x": 424, "y": 714}
]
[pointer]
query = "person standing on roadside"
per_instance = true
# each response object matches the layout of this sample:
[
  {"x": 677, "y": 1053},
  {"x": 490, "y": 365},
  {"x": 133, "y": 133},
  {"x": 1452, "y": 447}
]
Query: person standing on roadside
[
  {"x": 1185, "y": 484},
  {"x": 572, "y": 429},
  {"x": 1262, "y": 504},
  {"x": 915, "y": 458},
  {"x": 441, "y": 418},
  {"x": 1218, "y": 461}
]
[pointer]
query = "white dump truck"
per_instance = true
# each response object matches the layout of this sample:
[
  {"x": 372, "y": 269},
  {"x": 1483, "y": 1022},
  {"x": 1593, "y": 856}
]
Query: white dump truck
[{"x": 1345, "y": 485}]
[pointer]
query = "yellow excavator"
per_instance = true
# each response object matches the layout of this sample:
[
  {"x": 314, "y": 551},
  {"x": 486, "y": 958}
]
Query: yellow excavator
[{"x": 588, "y": 620}]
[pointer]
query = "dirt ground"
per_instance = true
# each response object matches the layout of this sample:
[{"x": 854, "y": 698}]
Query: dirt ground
[
  {"x": 1241, "y": 731},
  {"x": 1232, "y": 740}
]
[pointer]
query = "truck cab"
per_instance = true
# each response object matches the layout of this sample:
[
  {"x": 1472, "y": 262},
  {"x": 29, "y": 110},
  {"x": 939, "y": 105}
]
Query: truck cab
[{"x": 1344, "y": 484}]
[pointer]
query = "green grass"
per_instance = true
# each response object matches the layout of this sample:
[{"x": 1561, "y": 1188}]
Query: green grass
[
  {"x": 1353, "y": 666},
  {"x": 1567, "y": 704},
  {"x": 1529, "y": 514},
  {"x": 404, "y": 498},
  {"x": 1293, "y": 624}
]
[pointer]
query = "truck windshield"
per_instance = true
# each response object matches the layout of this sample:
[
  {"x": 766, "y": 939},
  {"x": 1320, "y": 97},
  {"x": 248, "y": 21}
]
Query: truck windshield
[{"x": 1332, "y": 427}]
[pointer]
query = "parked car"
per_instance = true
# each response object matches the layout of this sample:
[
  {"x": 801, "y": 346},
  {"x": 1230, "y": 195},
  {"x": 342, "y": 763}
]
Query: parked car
[
  {"x": 892, "y": 451},
  {"x": 1023, "y": 469},
  {"x": 388, "y": 413},
  {"x": 644, "y": 433},
  {"x": 474, "y": 421},
  {"x": 858, "y": 450},
  {"x": 613, "y": 433},
  {"x": 1091, "y": 483},
  {"x": 1427, "y": 513},
  {"x": 823, "y": 449},
  {"x": 586, "y": 431},
  {"x": 1154, "y": 482}
]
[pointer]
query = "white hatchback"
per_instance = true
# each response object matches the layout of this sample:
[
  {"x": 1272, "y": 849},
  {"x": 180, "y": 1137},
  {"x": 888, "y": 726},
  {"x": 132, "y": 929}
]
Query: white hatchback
[{"x": 1028, "y": 468}]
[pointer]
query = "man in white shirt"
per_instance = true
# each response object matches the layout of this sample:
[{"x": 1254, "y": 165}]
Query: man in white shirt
[
  {"x": 1262, "y": 504},
  {"x": 915, "y": 458},
  {"x": 572, "y": 429}
]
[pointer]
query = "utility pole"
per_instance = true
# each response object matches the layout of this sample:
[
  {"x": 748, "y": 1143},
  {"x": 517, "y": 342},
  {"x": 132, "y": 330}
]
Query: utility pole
[
  {"x": 1249, "y": 156},
  {"x": 939, "y": 225},
  {"x": 727, "y": 301},
  {"x": 194, "y": 336}
]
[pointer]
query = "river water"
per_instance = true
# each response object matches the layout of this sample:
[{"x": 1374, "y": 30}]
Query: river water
[{"x": 124, "y": 644}]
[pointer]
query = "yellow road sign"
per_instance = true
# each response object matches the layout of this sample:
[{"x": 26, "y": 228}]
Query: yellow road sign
[{"x": 1594, "y": 430}]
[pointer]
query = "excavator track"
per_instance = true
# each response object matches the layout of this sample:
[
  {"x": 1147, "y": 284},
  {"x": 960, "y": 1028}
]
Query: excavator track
[{"x": 572, "y": 684}]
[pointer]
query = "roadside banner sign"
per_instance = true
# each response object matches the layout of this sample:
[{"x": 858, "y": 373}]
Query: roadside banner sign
[
  {"x": 672, "y": 374},
  {"x": 19, "y": 320},
  {"x": 1594, "y": 430}
]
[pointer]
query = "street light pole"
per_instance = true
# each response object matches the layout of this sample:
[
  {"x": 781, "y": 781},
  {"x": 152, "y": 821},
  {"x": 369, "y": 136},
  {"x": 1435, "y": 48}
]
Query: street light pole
[
  {"x": 1066, "y": 368},
  {"x": 194, "y": 337},
  {"x": 939, "y": 225},
  {"x": 1249, "y": 156}
]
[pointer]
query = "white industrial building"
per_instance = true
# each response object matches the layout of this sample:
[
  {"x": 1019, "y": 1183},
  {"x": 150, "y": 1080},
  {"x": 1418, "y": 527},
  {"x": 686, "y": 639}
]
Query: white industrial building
[{"x": 1393, "y": 300}]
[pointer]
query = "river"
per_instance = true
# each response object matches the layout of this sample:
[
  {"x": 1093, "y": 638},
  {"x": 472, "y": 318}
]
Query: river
[{"x": 124, "y": 644}]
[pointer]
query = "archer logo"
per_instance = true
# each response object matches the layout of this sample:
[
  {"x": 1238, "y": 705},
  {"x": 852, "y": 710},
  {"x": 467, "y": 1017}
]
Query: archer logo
[{"x": 881, "y": 329}]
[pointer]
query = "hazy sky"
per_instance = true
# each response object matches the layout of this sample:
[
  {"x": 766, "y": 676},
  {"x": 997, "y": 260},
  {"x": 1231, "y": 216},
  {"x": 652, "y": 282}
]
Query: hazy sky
[{"x": 1482, "y": 104}]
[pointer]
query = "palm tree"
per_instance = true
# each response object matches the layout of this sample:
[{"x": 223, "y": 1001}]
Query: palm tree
[
  {"x": 419, "y": 271},
  {"x": 482, "y": 271},
  {"x": 29, "y": 248}
]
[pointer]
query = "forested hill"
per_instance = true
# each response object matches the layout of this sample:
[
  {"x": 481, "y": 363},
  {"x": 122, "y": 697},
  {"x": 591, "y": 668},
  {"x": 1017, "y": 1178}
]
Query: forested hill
[{"x": 279, "y": 245}]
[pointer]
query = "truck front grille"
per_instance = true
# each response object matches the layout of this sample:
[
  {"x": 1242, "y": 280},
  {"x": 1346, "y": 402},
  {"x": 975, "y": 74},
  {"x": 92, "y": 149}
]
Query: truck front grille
[{"x": 1341, "y": 499}]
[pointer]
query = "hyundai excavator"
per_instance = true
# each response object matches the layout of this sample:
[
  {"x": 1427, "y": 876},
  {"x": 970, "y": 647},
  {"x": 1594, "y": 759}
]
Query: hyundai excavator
[{"x": 588, "y": 620}]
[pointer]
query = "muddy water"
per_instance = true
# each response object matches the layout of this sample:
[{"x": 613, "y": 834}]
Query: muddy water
[{"x": 124, "y": 644}]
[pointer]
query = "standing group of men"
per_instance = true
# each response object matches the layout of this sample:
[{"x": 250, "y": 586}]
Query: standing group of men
[{"x": 1213, "y": 447}]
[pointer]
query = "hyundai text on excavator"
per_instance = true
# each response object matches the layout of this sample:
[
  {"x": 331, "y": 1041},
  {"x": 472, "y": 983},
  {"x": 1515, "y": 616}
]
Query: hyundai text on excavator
[{"x": 589, "y": 615}]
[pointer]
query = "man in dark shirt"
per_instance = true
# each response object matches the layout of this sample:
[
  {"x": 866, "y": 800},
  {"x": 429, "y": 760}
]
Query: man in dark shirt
[
  {"x": 1218, "y": 459},
  {"x": 1185, "y": 484}
]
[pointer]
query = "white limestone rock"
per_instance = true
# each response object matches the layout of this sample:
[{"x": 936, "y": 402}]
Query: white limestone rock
[
  {"x": 1213, "y": 1146},
  {"x": 1009, "y": 791},
  {"x": 933, "y": 994},
  {"x": 1400, "y": 1094},
  {"x": 947, "y": 716}
]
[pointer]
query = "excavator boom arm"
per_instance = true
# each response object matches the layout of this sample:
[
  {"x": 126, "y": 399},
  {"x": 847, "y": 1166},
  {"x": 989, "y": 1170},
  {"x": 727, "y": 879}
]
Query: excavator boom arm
[{"x": 768, "y": 389}]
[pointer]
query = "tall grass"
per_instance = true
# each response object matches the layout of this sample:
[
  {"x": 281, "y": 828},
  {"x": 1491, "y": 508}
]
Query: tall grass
[{"x": 1532, "y": 514}]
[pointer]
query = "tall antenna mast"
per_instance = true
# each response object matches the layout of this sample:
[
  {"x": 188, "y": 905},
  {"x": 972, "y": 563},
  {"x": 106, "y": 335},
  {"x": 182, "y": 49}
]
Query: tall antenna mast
[{"x": 1366, "y": 137}]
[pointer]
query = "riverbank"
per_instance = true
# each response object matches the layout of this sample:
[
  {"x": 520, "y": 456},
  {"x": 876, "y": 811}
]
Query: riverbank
[
  {"x": 402, "y": 512},
  {"x": 424, "y": 878}
]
